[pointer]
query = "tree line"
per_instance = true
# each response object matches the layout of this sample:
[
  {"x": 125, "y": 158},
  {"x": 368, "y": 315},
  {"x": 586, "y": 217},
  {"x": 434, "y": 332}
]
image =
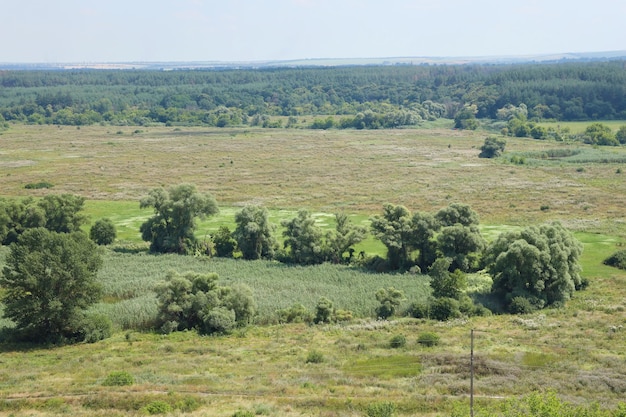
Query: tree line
[
  {"x": 50, "y": 275},
  {"x": 396, "y": 95}
]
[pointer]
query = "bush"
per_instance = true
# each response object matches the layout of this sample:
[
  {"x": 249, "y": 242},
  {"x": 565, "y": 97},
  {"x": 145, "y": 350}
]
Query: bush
[
  {"x": 397, "y": 341},
  {"x": 243, "y": 413},
  {"x": 118, "y": 379},
  {"x": 219, "y": 320},
  {"x": 315, "y": 357},
  {"x": 419, "y": 310},
  {"x": 158, "y": 407},
  {"x": 444, "y": 308},
  {"x": 103, "y": 232},
  {"x": 96, "y": 327},
  {"x": 297, "y": 313},
  {"x": 617, "y": 260},
  {"x": 324, "y": 311},
  {"x": 521, "y": 305},
  {"x": 428, "y": 339},
  {"x": 38, "y": 185},
  {"x": 381, "y": 409}
]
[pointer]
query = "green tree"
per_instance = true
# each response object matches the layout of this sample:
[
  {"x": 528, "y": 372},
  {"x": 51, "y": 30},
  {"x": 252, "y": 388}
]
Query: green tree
[
  {"x": 304, "y": 239},
  {"x": 394, "y": 230},
  {"x": 49, "y": 280},
  {"x": 457, "y": 213},
  {"x": 343, "y": 238},
  {"x": 462, "y": 244},
  {"x": 224, "y": 242},
  {"x": 539, "y": 263},
  {"x": 492, "y": 148},
  {"x": 389, "y": 299},
  {"x": 445, "y": 283},
  {"x": 600, "y": 134},
  {"x": 171, "y": 229},
  {"x": 424, "y": 226},
  {"x": 621, "y": 135},
  {"x": 466, "y": 117},
  {"x": 254, "y": 233},
  {"x": 103, "y": 232},
  {"x": 16, "y": 216},
  {"x": 63, "y": 212}
]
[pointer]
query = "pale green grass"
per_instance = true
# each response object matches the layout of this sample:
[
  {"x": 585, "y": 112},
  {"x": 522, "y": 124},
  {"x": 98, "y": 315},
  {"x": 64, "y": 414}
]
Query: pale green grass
[{"x": 579, "y": 127}]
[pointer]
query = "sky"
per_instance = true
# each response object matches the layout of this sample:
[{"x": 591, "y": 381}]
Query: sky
[{"x": 61, "y": 31}]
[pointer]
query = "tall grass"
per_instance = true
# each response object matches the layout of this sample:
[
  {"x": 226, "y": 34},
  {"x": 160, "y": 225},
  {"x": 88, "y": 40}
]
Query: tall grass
[{"x": 129, "y": 279}]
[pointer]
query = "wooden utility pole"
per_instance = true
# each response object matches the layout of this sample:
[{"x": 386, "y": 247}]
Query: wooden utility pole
[{"x": 472, "y": 373}]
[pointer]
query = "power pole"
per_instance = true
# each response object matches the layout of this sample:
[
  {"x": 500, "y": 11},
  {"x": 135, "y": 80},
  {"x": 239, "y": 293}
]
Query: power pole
[{"x": 472, "y": 373}]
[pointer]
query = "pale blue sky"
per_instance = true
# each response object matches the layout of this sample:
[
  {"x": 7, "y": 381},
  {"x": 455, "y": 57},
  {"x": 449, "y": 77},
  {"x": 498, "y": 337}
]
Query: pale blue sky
[{"x": 51, "y": 31}]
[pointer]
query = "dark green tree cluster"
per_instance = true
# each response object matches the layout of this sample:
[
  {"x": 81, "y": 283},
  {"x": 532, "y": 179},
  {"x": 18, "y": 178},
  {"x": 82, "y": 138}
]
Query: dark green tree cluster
[
  {"x": 194, "y": 301},
  {"x": 396, "y": 95},
  {"x": 171, "y": 229},
  {"x": 419, "y": 239}
]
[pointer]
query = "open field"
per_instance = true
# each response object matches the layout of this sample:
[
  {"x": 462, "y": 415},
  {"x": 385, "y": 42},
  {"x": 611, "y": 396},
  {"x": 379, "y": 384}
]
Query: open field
[{"x": 578, "y": 351}]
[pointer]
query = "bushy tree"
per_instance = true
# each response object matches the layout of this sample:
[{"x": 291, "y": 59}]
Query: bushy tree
[
  {"x": 49, "y": 280},
  {"x": 424, "y": 227},
  {"x": 462, "y": 244},
  {"x": 103, "y": 232},
  {"x": 171, "y": 229},
  {"x": 304, "y": 239},
  {"x": 394, "y": 230},
  {"x": 254, "y": 233},
  {"x": 621, "y": 135},
  {"x": 343, "y": 238},
  {"x": 224, "y": 242},
  {"x": 600, "y": 134},
  {"x": 465, "y": 118},
  {"x": 445, "y": 283},
  {"x": 389, "y": 299},
  {"x": 16, "y": 216},
  {"x": 63, "y": 212},
  {"x": 457, "y": 213},
  {"x": 195, "y": 301},
  {"x": 539, "y": 263},
  {"x": 492, "y": 148}
]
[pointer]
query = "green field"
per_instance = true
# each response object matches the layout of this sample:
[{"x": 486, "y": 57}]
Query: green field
[{"x": 577, "y": 351}]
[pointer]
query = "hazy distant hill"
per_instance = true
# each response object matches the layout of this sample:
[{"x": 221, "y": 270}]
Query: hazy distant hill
[{"x": 326, "y": 62}]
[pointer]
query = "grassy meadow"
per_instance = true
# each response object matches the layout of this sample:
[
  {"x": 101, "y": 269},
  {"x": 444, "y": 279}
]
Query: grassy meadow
[{"x": 330, "y": 370}]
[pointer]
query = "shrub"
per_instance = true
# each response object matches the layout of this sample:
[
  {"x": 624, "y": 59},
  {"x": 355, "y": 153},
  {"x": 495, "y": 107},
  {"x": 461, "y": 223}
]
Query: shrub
[
  {"x": 103, "y": 232},
  {"x": 521, "y": 305},
  {"x": 118, "y": 379},
  {"x": 444, "y": 308},
  {"x": 219, "y": 320},
  {"x": 428, "y": 339},
  {"x": 389, "y": 300},
  {"x": 419, "y": 310},
  {"x": 96, "y": 327},
  {"x": 397, "y": 341},
  {"x": 158, "y": 407},
  {"x": 381, "y": 409},
  {"x": 38, "y": 185},
  {"x": 243, "y": 413},
  {"x": 297, "y": 313},
  {"x": 323, "y": 311},
  {"x": 617, "y": 260},
  {"x": 315, "y": 357}
]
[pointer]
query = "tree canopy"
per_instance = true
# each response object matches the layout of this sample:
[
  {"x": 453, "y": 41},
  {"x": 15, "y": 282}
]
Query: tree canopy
[
  {"x": 171, "y": 229},
  {"x": 254, "y": 233},
  {"x": 49, "y": 281}
]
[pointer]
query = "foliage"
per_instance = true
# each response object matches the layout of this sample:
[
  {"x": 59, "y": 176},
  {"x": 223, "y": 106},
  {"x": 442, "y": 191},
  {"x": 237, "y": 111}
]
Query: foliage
[
  {"x": 492, "y": 148},
  {"x": 49, "y": 280},
  {"x": 621, "y": 135},
  {"x": 38, "y": 185},
  {"x": 389, "y": 299},
  {"x": 63, "y": 212},
  {"x": 537, "y": 263},
  {"x": 254, "y": 233},
  {"x": 381, "y": 409},
  {"x": 195, "y": 301},
  {"x": 445, "y": 283},
  {"x": 95, "y": 327},
  {"x": 315, "y": 356},
  {"x": 324, "y": 311},
  {"x": 600, "y": 134},
  {"x": 297, "y": 313},
  {"x": 304, "y": 239},
  {"x": 343, "y": 238},
  {"x": 224, "y": 242},
  {"x": 157, "y": 407},
  {"x": 394, "y": 230},
  {"x": 118, "y": 379},
  {"x": 465, "y": 118},
  {"x": 617, "y": 260},
  {"x": 444, "y": 308},
  {"x": 428, "y": 339},
  {"x": 397, "y": 341},
  {"x": 103, "y": 232},
  {"x": 171, "y": 229}
]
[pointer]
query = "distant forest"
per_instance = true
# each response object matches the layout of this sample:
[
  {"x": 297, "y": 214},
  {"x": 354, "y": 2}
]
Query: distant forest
[{"x": 365, "y": 96}]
